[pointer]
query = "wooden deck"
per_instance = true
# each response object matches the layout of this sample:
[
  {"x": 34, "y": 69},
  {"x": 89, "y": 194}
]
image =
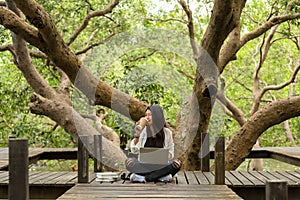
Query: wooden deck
[
  {"x": 186, "y": 185},
  {"x": 149, "y": 191},
  {"x": 233, "y": 178},
  {"x": 42, "y": 185},
  {"x": 190, "y": 185},
  {"x": 45, "y": 178}
]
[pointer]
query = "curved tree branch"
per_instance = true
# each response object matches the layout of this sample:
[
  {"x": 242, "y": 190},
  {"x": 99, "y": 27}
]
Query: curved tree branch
[
  {"x": 77, "y": 126},
  {"x": 263, "y": 28},
  {"x": 235, "y": 112},
  {"x": 23, "y": 62},
  {"x": 268, "y": 42},
  {"x": 288, "y": 82},
  {"x": 258, "y": 94},
  {"x": 106, "y": 131},
  {"x": 64, "y": 87},
  {"x": 10, "y": 48},
  {"x": 50, "y": 41},
  {"x": 256, "y": 89},
  {"x": 17, "y": 25},
  {"x": 167, "y": 20},
  {"x": 90, "y": 16},
  {"x": 190, "y": 27},
  {"x": 225, "y": 58},
  {"x": 270, "y": 115},
  {"x": 234, "y": 43},
  {"x": 112, "y": 33}
]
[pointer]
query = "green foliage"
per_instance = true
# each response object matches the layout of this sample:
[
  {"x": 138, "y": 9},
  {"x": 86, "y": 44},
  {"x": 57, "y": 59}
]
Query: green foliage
[
  {"x": 13, "y": 106},
  {"x": 221, "y": 125},
  {"x": 151, "y": 72},
  {"x": 16, "y": 119},
  {"x": 269, "y": 165},
  {"x": 147, "y": 87},
  {"x": 277, "y": 68},
  {"x": 275, "y": 136},
  {"x": 53, "y": 165},
  {"x": 4, "y": 36}
]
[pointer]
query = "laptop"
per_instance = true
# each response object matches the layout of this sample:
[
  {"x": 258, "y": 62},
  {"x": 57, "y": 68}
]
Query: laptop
[{"x": 154, "y": 155}]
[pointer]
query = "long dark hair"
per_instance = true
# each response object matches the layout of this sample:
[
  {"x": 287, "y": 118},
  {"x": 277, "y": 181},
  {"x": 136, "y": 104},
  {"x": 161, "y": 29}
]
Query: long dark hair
[{"x": 158, "y": 123}]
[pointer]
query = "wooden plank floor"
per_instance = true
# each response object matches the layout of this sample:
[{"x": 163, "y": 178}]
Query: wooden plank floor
[
  {"x": 45, "y": 178},
  {"x": 148, "y": 191},
  {"x": 232, "y": 178},
  {"x": 240, "y": 178},
  {"x": 4, "y": 156},
  {"x": 186, "y": 185}
]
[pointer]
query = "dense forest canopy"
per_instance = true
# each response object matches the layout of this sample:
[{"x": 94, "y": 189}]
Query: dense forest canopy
[{"x": 84, "y": 67}]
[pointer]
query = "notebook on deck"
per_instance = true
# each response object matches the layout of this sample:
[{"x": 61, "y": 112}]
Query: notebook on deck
[{"x": 154, "y": 155}]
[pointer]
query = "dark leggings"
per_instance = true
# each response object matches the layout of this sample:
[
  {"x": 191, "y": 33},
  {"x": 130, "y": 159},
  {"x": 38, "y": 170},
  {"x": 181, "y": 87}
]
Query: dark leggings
[{"x": 152, "y": 172}]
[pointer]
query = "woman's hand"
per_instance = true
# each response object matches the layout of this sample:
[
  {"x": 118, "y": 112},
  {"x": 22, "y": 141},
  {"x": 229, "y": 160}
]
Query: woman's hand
[
  {"x": 137, "y": 131},
  {"x": 140, "y": 125},
  {"x": 170, "y": 156}
]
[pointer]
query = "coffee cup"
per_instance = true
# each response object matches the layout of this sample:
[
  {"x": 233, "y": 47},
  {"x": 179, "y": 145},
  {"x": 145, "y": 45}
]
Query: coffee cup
[{"x": 142, "y": 124}]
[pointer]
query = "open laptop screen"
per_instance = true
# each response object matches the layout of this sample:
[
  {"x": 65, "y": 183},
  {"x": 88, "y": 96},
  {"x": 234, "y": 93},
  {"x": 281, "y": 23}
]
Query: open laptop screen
[{"x": 154, "y": 155}]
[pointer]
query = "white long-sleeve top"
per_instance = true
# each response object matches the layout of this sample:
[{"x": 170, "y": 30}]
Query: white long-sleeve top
[{"x": 168, "y": 143}]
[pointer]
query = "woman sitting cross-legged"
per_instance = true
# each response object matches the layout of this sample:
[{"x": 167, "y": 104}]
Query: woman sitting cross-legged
[{"x": 157, "y": 135}]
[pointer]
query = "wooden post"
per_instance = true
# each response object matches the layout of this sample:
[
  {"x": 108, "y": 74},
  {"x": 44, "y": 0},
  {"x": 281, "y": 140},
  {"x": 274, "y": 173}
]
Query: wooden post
[
  {"x": 276, "y": 190},
  {"x": 204, "y": 152},
  {"x": 83, "y": 160},
  {"x": 98, "y": 153},
  {"x": 220, "y": 161},
  {"x": 18, "y": 169}
]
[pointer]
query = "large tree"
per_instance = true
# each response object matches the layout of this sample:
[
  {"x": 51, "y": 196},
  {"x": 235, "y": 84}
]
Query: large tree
[{"x": 220, "y": 44}]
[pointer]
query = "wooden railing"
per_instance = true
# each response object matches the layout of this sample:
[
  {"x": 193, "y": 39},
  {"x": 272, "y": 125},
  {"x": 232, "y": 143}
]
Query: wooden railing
[
  {"x": 220, "y": 161},
  {"x": 18, "y": 166},
  {"x": 19, "y": 162},
  {"x": 18, "y": 169},
  {"x": 219, "y": 156},
  {"x": 275, "y": 189},
  {"x": 83, "y": 157}
]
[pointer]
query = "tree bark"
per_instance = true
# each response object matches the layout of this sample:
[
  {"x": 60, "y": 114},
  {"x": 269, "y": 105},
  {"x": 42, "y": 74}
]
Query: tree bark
[
  {"x": 106, "y": 131},
  {"x": 77, "y": 126}
]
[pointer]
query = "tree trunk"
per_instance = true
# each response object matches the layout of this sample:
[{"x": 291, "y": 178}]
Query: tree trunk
[{"x": 225, "y": 17}]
